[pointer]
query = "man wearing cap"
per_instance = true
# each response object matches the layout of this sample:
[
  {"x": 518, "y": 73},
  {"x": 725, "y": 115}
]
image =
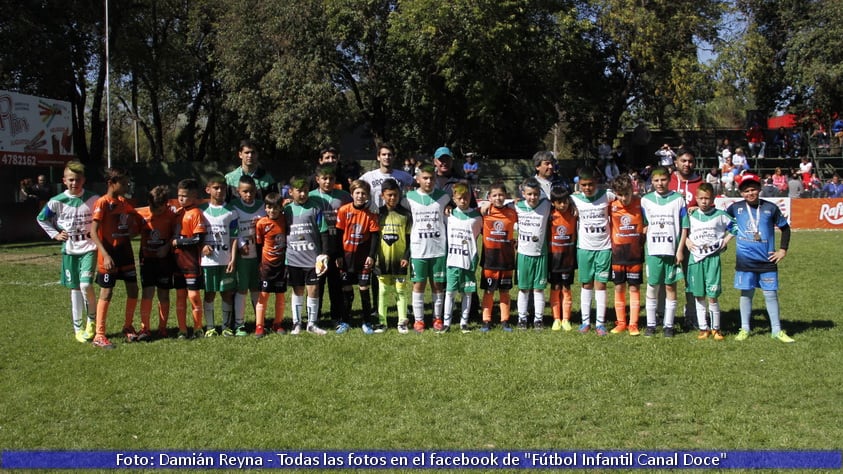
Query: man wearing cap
[
  {"x": 249, "y": 165},
  {"x": 756, "y": 259},
  {"x": 386, "y": 159}
]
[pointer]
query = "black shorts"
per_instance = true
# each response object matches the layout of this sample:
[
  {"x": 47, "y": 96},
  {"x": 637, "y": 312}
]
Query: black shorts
[
  {"x": 363, "y": 278},
  {"x": 297, "y": 276},
  {"x": 561, "y": 278},
  {"x": 189, "y": 282},
  {"x": 273, "y": 279},
  {"x": 496, "y": 280},
  {"x": 157, "y": 272}
]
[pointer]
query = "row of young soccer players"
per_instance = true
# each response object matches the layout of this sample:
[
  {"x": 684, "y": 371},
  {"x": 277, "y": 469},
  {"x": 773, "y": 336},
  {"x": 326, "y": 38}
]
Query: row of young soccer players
[{"x": 294, "y": 249}]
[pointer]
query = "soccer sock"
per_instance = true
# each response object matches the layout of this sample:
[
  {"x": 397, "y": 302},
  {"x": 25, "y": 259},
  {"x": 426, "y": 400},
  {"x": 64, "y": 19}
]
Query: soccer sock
[
  {"x": 382, "y": 288},
  {"x": 260, "y": 309},
  {"x": 600, "y": 304},
  {"x": 312, "y": 310},
  {"x": 466, "y": 307},
  {"x": 208, "y": 307},
  {"x": 163, "y": 314},
  {"x": 418, "y": 306},
  {"x": 488, "y": 302},
  {"x": 651, "y": 303},
  {"x": 585, "y": 305},
  {"x": 89, "y": 299},
  {"x": 253, "y": 297},
  {"x": 555, "y": 304},
  {"x": 714, "y": 308},
  {"x": 145, "y": 312},
  {"x": 297, "y": 301},
  {"x": 77, "y": 309},
  {"x": 366, "y": 303},
  {"x": 449, "y": 307},
  {"x": 746, "y": 308},
  {"x": 226, "y": 314},
  {"x": 634, "y": 307},
  {"x": 505, "y": 303},
  {"x": 523, "y": 301},
  {"x": 196, "y": 305},
  {"x": 567, "y": 303},
  {"x": 438, "y": 303},
  {"x": 240, "y": 308},
  {"x": 620, "y": 307},
  {"x": 348, "y": 301},
  {"x": 771, "y": 298},
  {"x": 401, "y": 302},
  {"x": 181, "y": 309},
  {"x": 280, "y": 303},
  {"x": 102, "y": 314},
  {"x": 669, "y": 313},
  {"x": 699, "y": 303},
  {"x": 538, "y": 306},
  {"x": 131, "y": 304}
]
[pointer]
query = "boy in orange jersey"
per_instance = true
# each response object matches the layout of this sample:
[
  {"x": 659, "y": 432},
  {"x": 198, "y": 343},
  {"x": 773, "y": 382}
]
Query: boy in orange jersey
[
  {"x": 628, "y": 241},
  {"x": 271, "y": 239},
  {"x": 156, "y": 259},
  {"x": 113, "y": 222},
  {"x": 187, "y": 242},
  {"x": 360, "y": 242},
  {"x": 498, "y": 257},
  {"x": 563, "y": 257}
]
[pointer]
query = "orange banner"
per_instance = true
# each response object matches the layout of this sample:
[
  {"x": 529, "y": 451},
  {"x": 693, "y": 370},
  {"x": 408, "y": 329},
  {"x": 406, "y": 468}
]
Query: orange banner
[{"x": 816, "y": 213}]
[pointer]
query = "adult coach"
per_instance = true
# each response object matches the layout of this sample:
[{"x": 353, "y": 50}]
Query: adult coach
[
  {"x": 756, "y": 259},
  {"x": 249, "y": 165},
  {"x": 386, "y": 160}
]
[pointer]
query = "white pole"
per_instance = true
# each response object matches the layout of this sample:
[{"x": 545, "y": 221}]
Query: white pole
[{"x": 107, "y": 91}]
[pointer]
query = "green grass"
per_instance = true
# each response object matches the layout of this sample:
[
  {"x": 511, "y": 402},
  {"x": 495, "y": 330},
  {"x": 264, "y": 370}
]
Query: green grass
[{"x": 455, "y": 391}]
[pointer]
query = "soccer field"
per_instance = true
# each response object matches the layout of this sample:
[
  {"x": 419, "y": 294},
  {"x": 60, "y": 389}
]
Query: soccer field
[{"x": 523, "y": 390}]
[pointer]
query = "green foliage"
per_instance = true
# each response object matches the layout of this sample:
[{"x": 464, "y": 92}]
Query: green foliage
[{"x": 454, "y": 391}]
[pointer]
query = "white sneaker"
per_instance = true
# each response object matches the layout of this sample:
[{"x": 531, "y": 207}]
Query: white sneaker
[
  {"x": 296, "y": 330},
  {"x": 314, "y": 329},
  {"x": 402, "y": 328}
]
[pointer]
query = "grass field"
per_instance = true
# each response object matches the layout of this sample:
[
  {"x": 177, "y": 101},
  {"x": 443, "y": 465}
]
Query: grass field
[{"x": 403, "y": 392}]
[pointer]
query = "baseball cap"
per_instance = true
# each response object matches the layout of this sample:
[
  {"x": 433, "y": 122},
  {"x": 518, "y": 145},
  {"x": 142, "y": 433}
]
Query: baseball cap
[
  {"x": 749, "y": 178},
  {"x": 442, "y": 151}
]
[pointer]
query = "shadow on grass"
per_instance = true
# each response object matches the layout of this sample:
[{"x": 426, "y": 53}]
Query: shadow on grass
[{"x": 731, "y": 322}]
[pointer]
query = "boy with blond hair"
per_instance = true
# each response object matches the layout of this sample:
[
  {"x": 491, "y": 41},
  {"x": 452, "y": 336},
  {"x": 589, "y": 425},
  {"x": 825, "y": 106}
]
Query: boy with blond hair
[
  {"x": 532, "y": 261},
  {"x": 464, "y": 226},
  {"x": 67, "y": 218}
]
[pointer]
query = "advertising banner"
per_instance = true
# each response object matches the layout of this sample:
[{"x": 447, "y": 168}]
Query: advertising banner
[{"x": 34, "y": 131}]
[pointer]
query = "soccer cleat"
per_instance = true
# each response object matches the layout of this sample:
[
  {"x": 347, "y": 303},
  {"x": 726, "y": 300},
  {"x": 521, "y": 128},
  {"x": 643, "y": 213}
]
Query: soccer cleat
[
  {"x": 227, "y": 332},
  {"x": 90, "y": 329},
  {"x": 633, "y": 330},
  {"x": 144, "y": 335},
  {"x": 211, "y": 332},
  {"x": 619, "y": 328},
  {"x": 437, "y": 324},
  {"x": 584, "y": 328},
  {"x": 566, "y": 325},
  {"x": 600, "y": 330},
  {"x": 445, "y": 329},
  {"x": 486, "y": 327},
  {"x": 296, "y": 329},
  {"x": 402, "y": 327},
  {"x": 379, "y": 328},
  {"x": 259, "y": 332},
  {"x": 668, "y": 332},
  {"x": 314, "y": 329},
  {"x": 198, "y": 333},
  {"x": 703, "y": 334},
  {"x": 783, "y": 337},
  {"x": 342, "y": 328},
  {"x": 557, "y": 325},
  {"x": 522, "y": 324},
  {"x": 131, "y": 335},
  {"x": 505, "y": 326},
  {"x": 367, "y": 329},
  {"x": 743, "y": 335},
  {"x": 182, "y": 336},
  {"x": 538, "y": 324},
  {"x": 80, "y": 336},
  {"x": 418, "y": 326},
  {"x": 241, "y": 331},
  {"x": 102, "y": 342},
  {"x": 464, "y": 328},
  {"x": 277, "y": 328},
  {"x": 649, "y": 331},
  {"x": 717, "y": 335}
]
